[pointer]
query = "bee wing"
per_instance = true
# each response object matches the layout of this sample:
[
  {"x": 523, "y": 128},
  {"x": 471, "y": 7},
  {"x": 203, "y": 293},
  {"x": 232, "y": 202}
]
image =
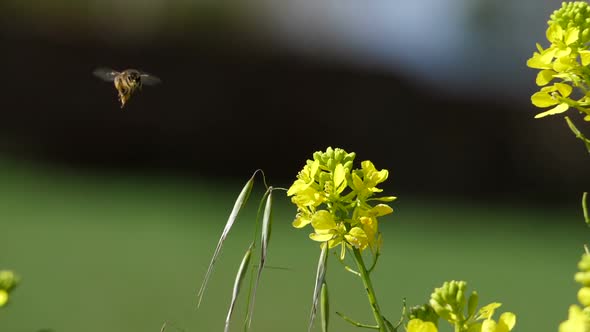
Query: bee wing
[
  {"x": 105, "y": 74},
  {"x": 149, "y": 79}
]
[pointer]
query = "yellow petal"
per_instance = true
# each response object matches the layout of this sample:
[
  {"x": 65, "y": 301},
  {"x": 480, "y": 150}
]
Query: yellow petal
[
  {"x": 543, "y": 99},
  {"x": 339, "y": 178},
  {"x": 555, "y": 110},
  {"x": 301, "y": 222},
  {"x": 571, "y": 36},
  {"x": 564, "y": 89},
  {"x": 554, "y": 33},
  {"x": 321, "y": 237},
  {"x": 357, "y": 182},
  {"x": 297, "y": 186},
  {"x": 544, "y": 77},
  {"x": 3, "y": 297},
  {"x": 380, "y": 210},
  {"x": 323, "y": 220},
  {"x": 488, "y": 310},
  {"x": 577, "y": 321},
  {"x": 357, "y": 237},
  {"x": 488, "y": 325},
  {"x": 585, "y": 57},
  {"x": 507, "y": 320},
  {"x": 417, "y": 325},
  {"x": 314, "y": 168}
]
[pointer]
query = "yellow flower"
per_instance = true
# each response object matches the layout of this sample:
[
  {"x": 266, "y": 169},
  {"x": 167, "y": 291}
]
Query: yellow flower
[
  {"x": 369, "y": 223},
  {"x": 357, "y": 237},
  {"x": 487, "y": 311},
  {"x": 305, "y": 178},
  {"x": 303, "y": 217},
  {"x": 365, "y": 180},
  {"x": 578, "y": 321},
  {"x": 308, "y": 197},
  {"x": 505, "y": 323},
  {"x": 325, "y": 227},
  {"x": 417, "y": 325},
  {"x": 328, "y": 230},
  {"x": 3, "y": 297}
]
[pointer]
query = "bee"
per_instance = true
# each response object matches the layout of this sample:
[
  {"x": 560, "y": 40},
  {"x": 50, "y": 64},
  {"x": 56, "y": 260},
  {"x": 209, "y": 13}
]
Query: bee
[{"x": 127, "y": 81}]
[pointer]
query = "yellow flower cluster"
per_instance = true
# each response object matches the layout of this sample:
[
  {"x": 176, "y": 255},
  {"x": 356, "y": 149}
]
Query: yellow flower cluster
[
  {"x": 563, "y": 65},
  {"x": 450, "y": 303},
  {"x": 578, "y": 318},
  {"x": 335, "y": 199}
]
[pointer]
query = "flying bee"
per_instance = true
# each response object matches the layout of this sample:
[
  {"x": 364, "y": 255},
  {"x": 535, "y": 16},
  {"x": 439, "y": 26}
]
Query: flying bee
[{"x": 127, "y": 81}]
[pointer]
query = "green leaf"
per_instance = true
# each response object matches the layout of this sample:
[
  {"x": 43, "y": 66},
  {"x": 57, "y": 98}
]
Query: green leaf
[
  {"x": 237, "y": 284},
  {"x": 325, "y": 307},
  {"x": 264, "y": 239},
  {"x": 240, "y": 202},
  {"x": 555, "y": 110},
  {"x": 319, "y": 281}
]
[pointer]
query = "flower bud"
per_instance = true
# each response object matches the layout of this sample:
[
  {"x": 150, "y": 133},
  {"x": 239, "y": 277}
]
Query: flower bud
[
  {"x": 584, "y": 264},
  {"x": 339, "y": 154},
  {"x": 584, "y": 296},
  {"x": 460, "y": 298},
  {"x": 350, "y": 156},
  {"x": 8, "y": 280},
  {"x": 324, "y": 177},
  {"x": 440, "y": 310},
  {"x": 451, "y": 294},
  {"x": 437, "y": 296},
  {"x": 317, "y": 155},
  {"x": 423, "y": 312},
  {"x": 574, "y": 14},
  {"x": 472, "y": 304},
  {"x": 348, "y": 165},
  {"x": 583, "y": 278},
  {"x": 331, "y": 164}
]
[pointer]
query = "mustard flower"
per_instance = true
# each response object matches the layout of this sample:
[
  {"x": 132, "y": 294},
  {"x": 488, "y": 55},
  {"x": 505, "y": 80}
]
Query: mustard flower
[
  {"x": 578, "y": 321},
  {"x": 417, "y": 325},
  {"x": 336, "y": 200}
]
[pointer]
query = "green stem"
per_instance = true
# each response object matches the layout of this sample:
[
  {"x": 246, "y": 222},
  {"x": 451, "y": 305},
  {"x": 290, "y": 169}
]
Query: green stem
[
  {"x": 585, "y": 209},
  {"x": 369, "y": 288},
  {"x": 355, "y": 323}
]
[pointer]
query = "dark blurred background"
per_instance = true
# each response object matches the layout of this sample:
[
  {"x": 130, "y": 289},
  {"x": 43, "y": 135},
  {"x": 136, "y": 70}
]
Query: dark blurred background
[
  {"x": 441, "y": 100},
  {"x": 435, "y": 91}
]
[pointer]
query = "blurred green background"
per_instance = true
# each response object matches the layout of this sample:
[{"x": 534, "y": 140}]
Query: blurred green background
[
  {"x": 111, "y": 216},
  {"x": 128, "y": 252}
]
